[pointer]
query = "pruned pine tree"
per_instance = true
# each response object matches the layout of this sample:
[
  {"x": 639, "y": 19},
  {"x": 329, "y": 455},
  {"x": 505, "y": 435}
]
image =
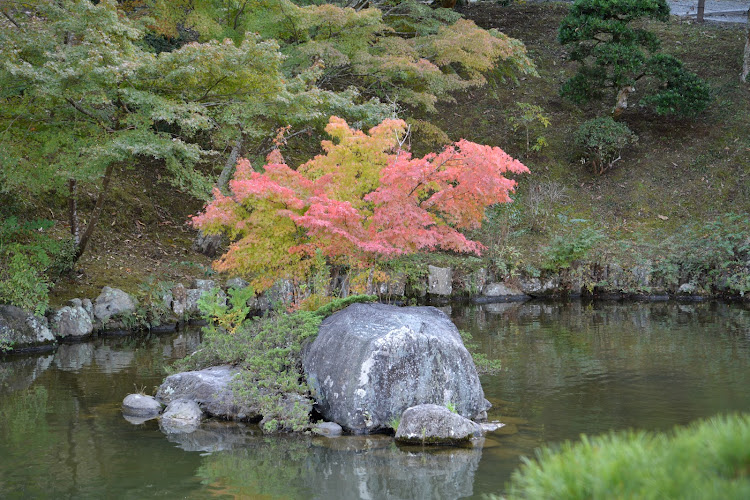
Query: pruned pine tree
[{"x": 614, "y": 56}]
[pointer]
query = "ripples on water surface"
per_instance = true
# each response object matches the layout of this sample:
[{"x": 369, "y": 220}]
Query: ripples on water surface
[{"x": 567, "y": 369}]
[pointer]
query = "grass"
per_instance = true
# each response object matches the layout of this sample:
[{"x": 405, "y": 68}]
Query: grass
[{"x": 682, "y": 170}]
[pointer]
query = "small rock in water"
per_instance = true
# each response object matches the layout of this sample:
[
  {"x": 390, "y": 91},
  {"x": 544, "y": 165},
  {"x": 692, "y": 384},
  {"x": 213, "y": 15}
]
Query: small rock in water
[
  {"x": 328, "y": 429},
  {"x": 181, "y": 415},
  {"x": 435, "y": 424},
  {"x": 491, "y": 426},
  {"x": 141, "y": 406},
  {"x": 112, "y": 301}
]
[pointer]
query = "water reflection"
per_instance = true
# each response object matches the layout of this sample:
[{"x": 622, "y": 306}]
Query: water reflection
[
  {"x": 567, "y": 369},
  {"x": 366, "y": 467}
]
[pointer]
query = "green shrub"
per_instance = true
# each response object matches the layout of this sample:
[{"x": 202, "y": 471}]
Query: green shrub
[
  {"x": 530, "y": 119},
  {"x": 268, "y": 349},
  {"x": 227, "y": 313},
  {"x": 709, "y": 459},
  {"x": 714, "y": 254},
  {"x": 30, "y": 261},
  {"x": 567, "y": 248},
  {"x": 602, "y": 141},
  {"x": 681, "y": 92},
  {"x": 6, "y": 344},
  {"x": 152, "y": 310}
]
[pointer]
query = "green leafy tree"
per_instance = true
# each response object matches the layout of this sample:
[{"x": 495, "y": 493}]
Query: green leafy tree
[
  {"x": 529, "y": 118},
  {"x": 406, "y": 53},
  {"x": 613, "y": 54},
  {"x": 83, "y": 99}
]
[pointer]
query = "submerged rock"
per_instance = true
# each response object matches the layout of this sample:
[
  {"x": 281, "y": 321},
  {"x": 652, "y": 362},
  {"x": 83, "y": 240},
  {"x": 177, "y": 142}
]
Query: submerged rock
[
  {"x": 211, "y": 388},
  {"x": 23, "y": 331},
  {"x": 328, "y": 429},
  {"x": 386, "y": 471},
  {"x": 394, "y": 358},
  {"x": 434, "y": 424},
  {"x": 212, "y": 436},
  {"x": 181, "y": 415},
  {"x": 141, "y": 406}
]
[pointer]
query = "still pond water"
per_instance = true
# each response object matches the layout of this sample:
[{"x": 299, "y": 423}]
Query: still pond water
[{"x": 568, "y": 368}]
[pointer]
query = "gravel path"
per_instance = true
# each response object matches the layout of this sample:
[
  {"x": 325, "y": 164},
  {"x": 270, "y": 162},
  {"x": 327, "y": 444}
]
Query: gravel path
[{"x": 727, "y": 11}]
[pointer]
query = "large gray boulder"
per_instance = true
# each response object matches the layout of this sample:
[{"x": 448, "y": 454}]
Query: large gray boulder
[
  {"x": 72, "y": 321},
  {"x": 112, "y": 301},
  {"x": 433, "y": 424},
  {"x": 540, "y": 288},
  {"x": 211, "y": 388},
  {"x": 23, "y": 331},
  {"x": 503, "y": 290},
  {"x": 370, "y": 362},
  {"x": 193, "y": 295}
]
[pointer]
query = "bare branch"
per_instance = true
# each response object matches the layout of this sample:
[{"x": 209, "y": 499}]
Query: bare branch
[
  {"x": 9, "y": 18},
  {"x": 89, "y": 114}
]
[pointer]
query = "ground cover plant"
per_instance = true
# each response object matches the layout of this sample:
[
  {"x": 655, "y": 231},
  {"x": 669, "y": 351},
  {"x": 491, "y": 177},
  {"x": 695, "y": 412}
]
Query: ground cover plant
[{"x": 268, "y": 349}]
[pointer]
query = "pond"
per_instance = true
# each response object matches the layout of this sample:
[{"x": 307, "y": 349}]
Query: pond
[{"x": 568, "y": 368}]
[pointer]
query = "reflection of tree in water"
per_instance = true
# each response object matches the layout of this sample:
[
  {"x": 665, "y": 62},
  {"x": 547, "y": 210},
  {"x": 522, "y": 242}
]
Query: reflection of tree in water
[
  {"x": 23, "y": 416},
  {"x": 346, "y": 467},
  {"x": 591, "y": 367},
  {"x": 79, "y": 445}
]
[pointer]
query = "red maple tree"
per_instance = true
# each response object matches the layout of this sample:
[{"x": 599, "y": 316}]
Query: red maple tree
[{"x": 364, "y": 199}]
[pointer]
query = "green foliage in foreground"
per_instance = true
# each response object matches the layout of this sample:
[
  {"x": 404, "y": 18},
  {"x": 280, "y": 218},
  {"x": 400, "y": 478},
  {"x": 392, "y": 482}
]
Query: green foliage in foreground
[
  {"x": 709, "y": 459},
  {"x": 30, "y": 260},
  {"x": 268, "y": 349}
]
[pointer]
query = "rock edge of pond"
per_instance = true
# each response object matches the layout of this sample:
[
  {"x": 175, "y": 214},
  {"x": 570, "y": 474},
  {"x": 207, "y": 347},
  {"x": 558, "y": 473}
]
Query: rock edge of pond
[{"x": 115, "y": 312}]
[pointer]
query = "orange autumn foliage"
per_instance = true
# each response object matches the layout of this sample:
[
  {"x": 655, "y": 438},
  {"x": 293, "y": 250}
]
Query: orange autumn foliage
[{"x": 363, "y": 199}]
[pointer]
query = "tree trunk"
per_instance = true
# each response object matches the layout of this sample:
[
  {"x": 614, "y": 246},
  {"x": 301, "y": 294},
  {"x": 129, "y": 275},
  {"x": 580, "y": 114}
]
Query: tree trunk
[
  {"x": 701, "y": 10},
  {"x": 86, "y": 236},
  {"x": 622, "y": 101},
  {"x": 208, "y": 244},
  {"x": 73, "y": 210},
  {"x": 359, "y": 4},
  {"x": 746, "y": 58},
  {"x": 226, "y": 172}
]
